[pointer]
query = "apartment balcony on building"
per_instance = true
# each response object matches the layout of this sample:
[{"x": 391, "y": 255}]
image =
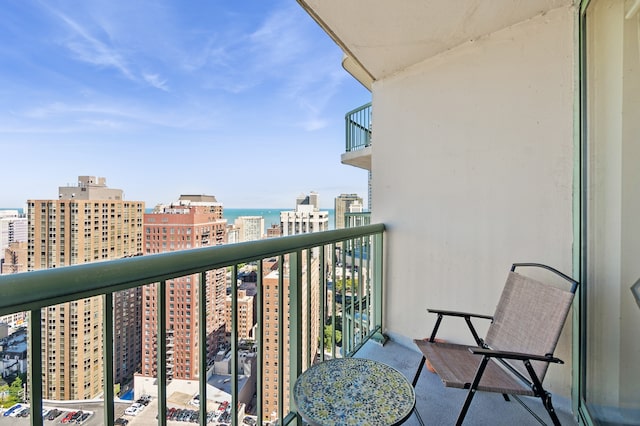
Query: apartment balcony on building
[
  {"x": 359, "y": 318},
  {"x": 504, "y": 132},
  {"x": 358, "y": 138}
]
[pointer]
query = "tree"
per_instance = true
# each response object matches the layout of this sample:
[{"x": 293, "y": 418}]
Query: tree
[
  {"x": 4, "y": 396},
  {"x": 15, "y": 389},
  {"x": 328, "y": 336},
  {"x": 11, "y": 394},
  {"x": 339, "y": 284}
]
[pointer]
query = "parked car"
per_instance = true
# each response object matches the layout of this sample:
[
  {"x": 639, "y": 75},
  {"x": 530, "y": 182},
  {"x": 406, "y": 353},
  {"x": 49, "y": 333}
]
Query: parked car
[
  {"x": 82, "y": 418},
  {"x": 134, "y": 409},
  {"x": 11, "y": 410},
  {"x": 176, "y": 414},
  {"x": 170, "y": 412},
  {"x": 121, "y": 421},
  {"x": 67, "y": 418},
  {"x": 53, "y": 414},
  {"x": 23, "y": 412}
]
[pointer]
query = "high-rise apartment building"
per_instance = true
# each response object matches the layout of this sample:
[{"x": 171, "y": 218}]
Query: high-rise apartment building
[
  {"x": 245, "y": 319},
  {"x": 306, "y": 218},
  {"x": 13, "y": 229},
  {"x": 85, "y": 223},
  {"x": 271, "y": 340},
  {"x": 192, "y": 221},
  {"x": 275, "y": 230},
  {"x": 15, "y": 261},
  {"x": 15, "y": 258},
  {"x": 15, "y": 320},
  {"x": 346, "y": 203},
  {"x": 251, "y": 228}
]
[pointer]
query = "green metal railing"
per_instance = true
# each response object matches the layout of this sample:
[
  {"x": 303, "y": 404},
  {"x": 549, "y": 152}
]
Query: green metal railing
[
  {"x": 314, "y": 262},
  {"x": 357, "y": 219},
  {"x": 358, "y": 128}
]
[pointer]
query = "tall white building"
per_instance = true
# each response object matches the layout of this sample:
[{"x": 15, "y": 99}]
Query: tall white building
[
  {"x": 306, "y": 218},
  {"x": 346, "y": 203},
  {"x": 13, "y": 229},
  {"x": 250, "y": 228}
]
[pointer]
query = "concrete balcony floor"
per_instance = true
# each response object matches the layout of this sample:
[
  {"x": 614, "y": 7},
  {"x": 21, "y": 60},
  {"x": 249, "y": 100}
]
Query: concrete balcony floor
[{"x": 439, "y": 405}]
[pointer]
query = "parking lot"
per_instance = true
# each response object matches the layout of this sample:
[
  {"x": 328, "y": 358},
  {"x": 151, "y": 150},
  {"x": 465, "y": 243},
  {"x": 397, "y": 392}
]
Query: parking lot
[
  {"x": 148, "y": 415},
  {"x": 96, "y": 417},
  {"x": 144, "y": 416}
]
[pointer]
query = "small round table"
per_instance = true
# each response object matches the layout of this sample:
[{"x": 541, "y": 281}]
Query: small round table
[{"x": 353, "y": 391}]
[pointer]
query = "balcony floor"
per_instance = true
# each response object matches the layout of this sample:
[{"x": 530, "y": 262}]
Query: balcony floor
[{"x": 439, "y": 405}]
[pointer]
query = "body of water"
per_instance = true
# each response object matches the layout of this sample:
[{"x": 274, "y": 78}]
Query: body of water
[{"x": 271, "y": 216}]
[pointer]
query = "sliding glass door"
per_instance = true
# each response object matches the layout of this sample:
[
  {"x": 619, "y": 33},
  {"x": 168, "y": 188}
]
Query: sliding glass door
[{"x": 611, "y": 203}]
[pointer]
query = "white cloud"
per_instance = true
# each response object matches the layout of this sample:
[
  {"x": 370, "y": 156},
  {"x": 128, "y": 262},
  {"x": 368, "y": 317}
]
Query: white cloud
[
  {"x": 89, "y": 49},
  {"x": 156, "y": 81},
  {"x": 98, "y": 42},
  {"x": 314, "y": 124}
]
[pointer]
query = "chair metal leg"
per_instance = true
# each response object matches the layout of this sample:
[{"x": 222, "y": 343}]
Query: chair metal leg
[
  {"x": 472, "y": 390},
  {"x": 415, "y": 411},
  {"x": 546, "y": 401},
  {"x": 417, "y": 376},
  {"x": 544, "y": 395}
]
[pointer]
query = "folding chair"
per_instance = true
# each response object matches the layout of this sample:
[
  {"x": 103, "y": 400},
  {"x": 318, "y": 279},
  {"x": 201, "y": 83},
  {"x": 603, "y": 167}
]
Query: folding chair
[{"x": 513, "y": 357}]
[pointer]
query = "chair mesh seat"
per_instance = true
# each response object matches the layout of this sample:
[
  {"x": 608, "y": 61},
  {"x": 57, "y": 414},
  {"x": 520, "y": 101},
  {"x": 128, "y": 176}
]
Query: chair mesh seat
[{"x": 457, "y": 366}]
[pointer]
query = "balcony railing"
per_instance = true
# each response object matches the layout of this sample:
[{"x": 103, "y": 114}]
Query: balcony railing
[
  {"x": 315, "y": 263},
  {"x": 358, "y": 128},
  {"x": 357, "y": 219}
]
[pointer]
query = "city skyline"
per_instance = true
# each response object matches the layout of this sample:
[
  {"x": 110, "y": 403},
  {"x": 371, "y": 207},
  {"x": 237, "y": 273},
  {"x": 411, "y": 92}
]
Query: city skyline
[{"x": 126, "y": 91}]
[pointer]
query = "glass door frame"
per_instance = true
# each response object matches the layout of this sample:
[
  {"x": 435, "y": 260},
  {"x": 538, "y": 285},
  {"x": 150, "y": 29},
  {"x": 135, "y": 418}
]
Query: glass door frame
[
  {"x": 580, "y": 318},
  {"x": 581, "y": 231}
]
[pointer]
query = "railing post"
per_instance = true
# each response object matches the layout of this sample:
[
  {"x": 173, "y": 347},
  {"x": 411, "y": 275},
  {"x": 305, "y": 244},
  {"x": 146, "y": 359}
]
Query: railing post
[
  {"x": 295, "y": 323},
  {"x": 260, "y": 341},
  {"x": 161, "y": 374},
  {"x": 377, "y": 252},
  {"x": 346, "y": 331},
  {"x": 107, "y": 332},
  {"x": 234, "y": 345},
  {"x": 281, "y": 319},
  {"x": 35, "y": 367},
  {"x": 202, "y": 342},
  {"x": 323, "y": 300},
  {"x": 309, "y": 325},
  {"x": 334, "y": 295}
]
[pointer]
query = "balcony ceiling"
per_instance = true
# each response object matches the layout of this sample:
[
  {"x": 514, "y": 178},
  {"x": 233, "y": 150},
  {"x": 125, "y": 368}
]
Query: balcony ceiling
[{"x": 383, "y": 37}]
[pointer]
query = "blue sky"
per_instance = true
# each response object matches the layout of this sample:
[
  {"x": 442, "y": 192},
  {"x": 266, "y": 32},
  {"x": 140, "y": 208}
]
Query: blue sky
[{"x": 244, "y": 100}]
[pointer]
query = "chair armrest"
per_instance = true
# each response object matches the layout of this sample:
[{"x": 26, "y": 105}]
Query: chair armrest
[
  {"x": 515, "y": 355},
  {"x": 458, "y": 314},
  {"x": 467, "y": 317}
]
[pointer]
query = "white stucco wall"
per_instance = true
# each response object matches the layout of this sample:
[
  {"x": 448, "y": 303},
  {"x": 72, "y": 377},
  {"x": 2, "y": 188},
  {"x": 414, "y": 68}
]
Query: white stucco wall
[{"x": 472, "y": 170}]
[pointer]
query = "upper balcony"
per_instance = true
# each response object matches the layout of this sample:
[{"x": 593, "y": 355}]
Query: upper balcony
[{"x": 358, "y": 137}]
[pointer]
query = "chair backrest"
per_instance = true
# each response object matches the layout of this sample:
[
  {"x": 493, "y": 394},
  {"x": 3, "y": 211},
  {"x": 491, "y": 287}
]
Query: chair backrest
[{"x": 529, "y": 318}]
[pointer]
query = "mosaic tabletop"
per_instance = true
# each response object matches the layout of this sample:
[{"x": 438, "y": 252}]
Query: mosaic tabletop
[{"x": 353, "y": 391}]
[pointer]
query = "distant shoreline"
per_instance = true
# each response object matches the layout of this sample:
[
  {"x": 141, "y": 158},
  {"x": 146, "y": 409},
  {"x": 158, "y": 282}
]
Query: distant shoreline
[{"x": 271, "y": 215}]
